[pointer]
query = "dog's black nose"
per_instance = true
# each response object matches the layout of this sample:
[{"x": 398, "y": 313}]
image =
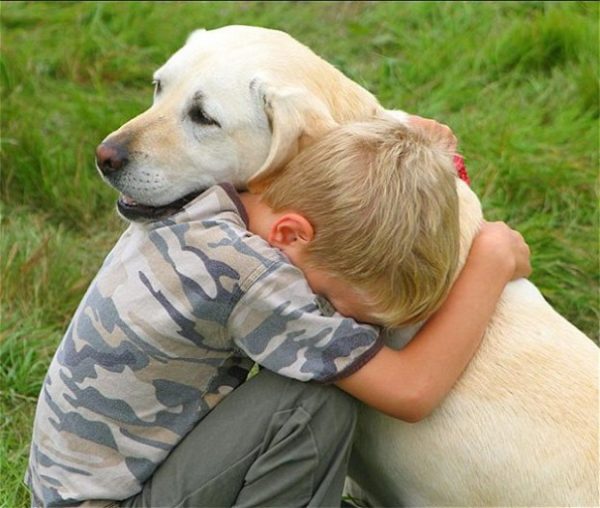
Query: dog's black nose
[{"x": 111, "y": 157}]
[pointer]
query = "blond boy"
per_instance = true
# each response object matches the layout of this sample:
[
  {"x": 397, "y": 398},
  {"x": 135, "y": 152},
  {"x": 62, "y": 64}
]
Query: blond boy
[
  {"x": 131, "y": 411},
  {"x": 381, "y": 210}
]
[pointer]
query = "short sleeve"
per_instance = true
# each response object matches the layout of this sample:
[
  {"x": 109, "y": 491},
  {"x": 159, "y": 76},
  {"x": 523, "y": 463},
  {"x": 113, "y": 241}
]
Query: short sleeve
[{"x": 280, "y": 325}]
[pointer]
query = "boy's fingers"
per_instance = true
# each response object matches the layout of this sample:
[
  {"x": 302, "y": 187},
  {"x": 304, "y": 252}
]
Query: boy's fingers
[{"x": 439, "y": 130}]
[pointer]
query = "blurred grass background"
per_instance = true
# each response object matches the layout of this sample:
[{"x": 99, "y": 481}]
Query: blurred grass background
[{"x": 518, "y": 83}]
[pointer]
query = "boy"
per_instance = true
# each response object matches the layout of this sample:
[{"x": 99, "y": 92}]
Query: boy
[{"x": 180, "y": 306}]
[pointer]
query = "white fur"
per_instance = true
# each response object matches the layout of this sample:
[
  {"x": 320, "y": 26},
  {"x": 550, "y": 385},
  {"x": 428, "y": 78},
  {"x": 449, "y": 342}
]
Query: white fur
[{"x": 521, "y": 425}]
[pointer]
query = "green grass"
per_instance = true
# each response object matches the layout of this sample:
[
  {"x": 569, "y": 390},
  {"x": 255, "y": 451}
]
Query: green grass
[{"x": 518, "y": 83}]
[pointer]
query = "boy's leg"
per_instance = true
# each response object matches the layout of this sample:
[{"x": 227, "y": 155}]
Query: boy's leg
[{"x": 272, "y": 442}]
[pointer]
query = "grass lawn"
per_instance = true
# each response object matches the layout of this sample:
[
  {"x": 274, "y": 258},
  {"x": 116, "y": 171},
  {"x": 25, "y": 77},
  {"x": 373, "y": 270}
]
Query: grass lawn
[{"x": 518, "y": 83}]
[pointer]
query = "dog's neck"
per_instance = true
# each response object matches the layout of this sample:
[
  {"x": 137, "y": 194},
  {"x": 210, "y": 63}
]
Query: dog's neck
[{"x": 470, "y": 217}]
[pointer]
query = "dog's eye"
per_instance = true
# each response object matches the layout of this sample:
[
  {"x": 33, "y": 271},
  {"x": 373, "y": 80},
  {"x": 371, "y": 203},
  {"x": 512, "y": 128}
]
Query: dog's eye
[
  {"x": 157, "y": 86},
  {"x": 197, "y": 115}
]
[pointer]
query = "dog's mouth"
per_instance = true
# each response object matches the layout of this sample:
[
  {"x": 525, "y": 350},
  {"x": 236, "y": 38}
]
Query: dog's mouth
[{"x": 132, "y": 210}]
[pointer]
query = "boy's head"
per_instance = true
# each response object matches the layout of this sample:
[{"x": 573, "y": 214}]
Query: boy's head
[{"x": 371, "y": 206}]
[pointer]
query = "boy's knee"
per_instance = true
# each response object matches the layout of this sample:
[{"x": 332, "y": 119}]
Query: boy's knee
[
  {"x": 342, "y": 405},
  {"x": 334, "y": 412},
  {"x": 326, "y": 402}
]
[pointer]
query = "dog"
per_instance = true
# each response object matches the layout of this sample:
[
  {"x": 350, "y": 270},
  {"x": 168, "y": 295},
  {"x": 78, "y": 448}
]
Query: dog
[{"x": 520, "y": 427}]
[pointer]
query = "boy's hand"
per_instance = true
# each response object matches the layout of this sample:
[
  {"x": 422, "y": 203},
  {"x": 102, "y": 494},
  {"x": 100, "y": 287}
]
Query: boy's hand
[
  {"x": 503, "y": 247},
  {"x": 437, "y": 130}
]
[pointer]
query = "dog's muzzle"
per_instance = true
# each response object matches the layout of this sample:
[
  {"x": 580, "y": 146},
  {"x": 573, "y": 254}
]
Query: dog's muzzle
[{"x": 111, "y": 159}]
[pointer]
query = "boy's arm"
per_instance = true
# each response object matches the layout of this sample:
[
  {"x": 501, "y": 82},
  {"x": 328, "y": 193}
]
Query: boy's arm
[
  {"x": 408, "y": 384},
  {"x": 281, "y": 325}
]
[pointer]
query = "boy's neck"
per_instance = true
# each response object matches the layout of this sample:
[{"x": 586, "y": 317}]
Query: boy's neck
[{"x": 260, "y": 216}]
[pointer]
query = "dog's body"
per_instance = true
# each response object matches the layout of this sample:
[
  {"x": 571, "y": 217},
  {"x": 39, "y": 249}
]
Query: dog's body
[{"x": 521, "y": 426}]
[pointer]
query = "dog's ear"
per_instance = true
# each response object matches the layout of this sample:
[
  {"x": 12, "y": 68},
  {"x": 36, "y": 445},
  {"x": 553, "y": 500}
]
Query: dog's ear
[{"x": 297, "y": 118}]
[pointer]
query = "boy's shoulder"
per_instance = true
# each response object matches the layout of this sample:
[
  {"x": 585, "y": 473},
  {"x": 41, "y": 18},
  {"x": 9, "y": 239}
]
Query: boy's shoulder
[{"x": 206, "y": 240}]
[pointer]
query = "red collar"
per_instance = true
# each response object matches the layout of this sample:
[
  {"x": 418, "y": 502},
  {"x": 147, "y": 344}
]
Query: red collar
[{"x": 459, "y": 164}]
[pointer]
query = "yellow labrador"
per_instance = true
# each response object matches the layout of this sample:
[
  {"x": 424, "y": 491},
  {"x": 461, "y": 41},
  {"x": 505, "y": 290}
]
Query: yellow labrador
[
  {"x": 520, "y": 427},
  {"x": 232, "y": 104}
]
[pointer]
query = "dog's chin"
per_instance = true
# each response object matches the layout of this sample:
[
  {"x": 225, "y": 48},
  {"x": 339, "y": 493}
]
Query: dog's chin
[{"x": 131, "y": 210}]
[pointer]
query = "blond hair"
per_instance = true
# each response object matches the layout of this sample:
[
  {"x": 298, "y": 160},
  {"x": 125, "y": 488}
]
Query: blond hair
[{"x": 382, "y": 200}]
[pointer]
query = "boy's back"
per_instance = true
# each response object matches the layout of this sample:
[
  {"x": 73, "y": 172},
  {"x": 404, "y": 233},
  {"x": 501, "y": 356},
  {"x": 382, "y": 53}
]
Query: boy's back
[{"x": 151, "y": 348}]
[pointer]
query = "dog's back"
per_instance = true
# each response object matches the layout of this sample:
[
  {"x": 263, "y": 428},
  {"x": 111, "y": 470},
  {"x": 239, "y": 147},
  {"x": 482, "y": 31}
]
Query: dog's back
[{"x": 520, "y": 427}]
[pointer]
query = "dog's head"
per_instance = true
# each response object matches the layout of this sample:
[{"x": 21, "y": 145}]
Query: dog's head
[{"x": 233, "y": 105}]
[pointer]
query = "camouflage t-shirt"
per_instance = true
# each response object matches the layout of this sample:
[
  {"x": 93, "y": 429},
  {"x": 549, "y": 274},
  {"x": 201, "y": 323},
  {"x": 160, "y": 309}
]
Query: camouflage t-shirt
[{"x": 169, "y": 326}]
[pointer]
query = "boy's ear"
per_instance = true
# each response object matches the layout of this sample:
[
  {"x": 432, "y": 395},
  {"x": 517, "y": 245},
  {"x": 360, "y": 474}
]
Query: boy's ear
[{"x": 291, "y": 230}]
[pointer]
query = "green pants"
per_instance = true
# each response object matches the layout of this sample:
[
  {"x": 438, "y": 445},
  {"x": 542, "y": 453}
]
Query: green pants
[{"x": 271, "y": 442}]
